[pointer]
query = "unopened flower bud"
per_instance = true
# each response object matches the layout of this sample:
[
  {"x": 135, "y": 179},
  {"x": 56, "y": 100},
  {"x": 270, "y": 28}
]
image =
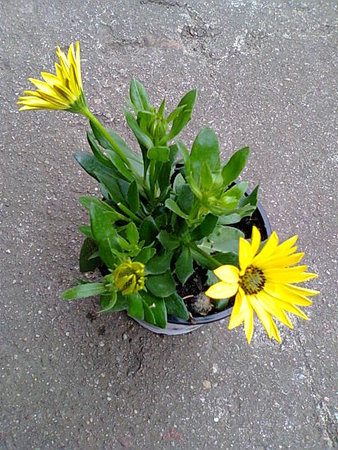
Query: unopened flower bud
[{"x": 129, "y": 277}]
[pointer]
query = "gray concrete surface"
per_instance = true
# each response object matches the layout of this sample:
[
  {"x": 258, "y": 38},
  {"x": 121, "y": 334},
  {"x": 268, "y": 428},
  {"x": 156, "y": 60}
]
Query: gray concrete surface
[{"x": 266, "y": 73}]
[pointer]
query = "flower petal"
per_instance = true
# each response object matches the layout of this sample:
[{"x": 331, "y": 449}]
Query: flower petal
[
  {"x": 248, "y": 320},
  {"x": 221, "y": 290},
  {"x": 287, "y": 294},
  {"x": 227, "y": 273},
  {"x": 255, "y": 240},
  {"x": 281, "y": 261},
  {"x": 271, "y": 305},
  {"x": 268, "y": 249},
  {"x": 245, "y": 255},
  {"x": 237, "y": 315},
  {"x": 265, "y": 318},
  {"x": 301, "y": 291},
  {"x": 288, "y": 275},
  {"x": 61, "y": 91}
]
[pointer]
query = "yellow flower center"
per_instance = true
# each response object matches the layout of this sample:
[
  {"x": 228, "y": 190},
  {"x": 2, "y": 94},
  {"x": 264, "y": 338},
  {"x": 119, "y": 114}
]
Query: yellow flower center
[{"x": 252, "y": 281}]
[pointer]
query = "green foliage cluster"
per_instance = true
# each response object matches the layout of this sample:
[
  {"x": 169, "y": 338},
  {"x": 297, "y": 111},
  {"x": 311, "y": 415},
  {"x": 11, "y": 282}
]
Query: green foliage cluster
[{"x": 166, "y": 207}]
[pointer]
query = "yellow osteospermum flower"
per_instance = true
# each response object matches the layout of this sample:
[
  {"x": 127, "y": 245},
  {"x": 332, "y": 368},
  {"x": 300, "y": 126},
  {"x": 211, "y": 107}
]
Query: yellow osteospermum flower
[
  {"x": 263, "y": 283},
  {"x": 61, "y": 91}
]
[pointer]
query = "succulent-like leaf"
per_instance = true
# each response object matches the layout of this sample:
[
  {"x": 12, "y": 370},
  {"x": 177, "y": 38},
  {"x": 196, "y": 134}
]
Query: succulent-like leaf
[
  {"x": 161, "y": 285},
  {"x": 176, "y": 307},
  {"x": 83, "y": 291},
  {"x": 88, "y": 264},
  {"x": 235, "y": 165},
  {"x": 138, "y": 95},
  {"x": 184, "y": 265}
]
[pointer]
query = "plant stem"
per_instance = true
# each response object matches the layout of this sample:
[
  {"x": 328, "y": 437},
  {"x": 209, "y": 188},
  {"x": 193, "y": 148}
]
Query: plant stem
[
  {"x": 206, "y": 255},
  {"x": 129, "y": 213},
  {"x": 105, "y": 133}
]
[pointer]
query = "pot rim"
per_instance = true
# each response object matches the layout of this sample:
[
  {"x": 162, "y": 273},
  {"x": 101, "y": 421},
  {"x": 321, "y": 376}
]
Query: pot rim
[{"x": 226, "y": 312}]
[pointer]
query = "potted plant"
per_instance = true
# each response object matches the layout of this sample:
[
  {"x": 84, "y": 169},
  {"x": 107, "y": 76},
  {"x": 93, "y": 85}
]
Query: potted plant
[{"x": 178, "y": 240}]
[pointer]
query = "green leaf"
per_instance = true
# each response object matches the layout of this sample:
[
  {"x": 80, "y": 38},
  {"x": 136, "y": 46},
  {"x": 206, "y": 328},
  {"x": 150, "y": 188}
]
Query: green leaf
[
  {"x": 142, "y": 138},
  {"x": 184, "y": 116},
  {"x": 162, "y": 218},
  {"x": 206, "y": 177},
  {"x": 104, "y": 234},
  {"x": 134, "y": 158},
  {"x": 159, "y": 263},
  {"x": 144, "y": 119},
  {"x": 99, "y": 155},
  {"x": 235, "y": 217},
  {"x": 205, "y": 150},
  {"x": 169, "y": 242},
  {"x": 83, "y": 291},
  {"x": 102, "y": 223},
  {"x": 148, "y": 314},
  {"x": 138, "y": 95},
  {"x": 161, "y": 108},
  {"x": 160, "y": 154},
  {"x": 93, "y": 167},
  {"x": 223, "y": 239},
  {"x": 119, "y": 142},
  {"x": 86, "y": 230},
  {"x": 87, "y": 202},
  {"x": 237, "y": 191},
  {"x": 135, "y": 306},
  {"x": 120, "y": 166},
  {"x": 250, "y": 199},
  {"x": 132, "y": 233},
  {"x": 184, "y": 265},
  {"x": 176, "y": 307},
  {"x": 230, "y": 258},
  {"x": 175, "y": 113},
  {"x": 235, "y": 165},
  {"x": 189, "y": 99},
  {"x": 205, "y": 228},
  {"x": 179, "y": 181},
  {"x": 173, "y": 206},
  {"x": 114, "y": 159},
  {"x": 156, "y": 308},
  {"x": 211, "y": 278},
  {"x": 161, "y": 285},
  {"x": 145, "y": 254},
  {"x": 113, "y": 187},
  {"x": 107, "y": 301},
  {"x": 202, "y": 260},
  {"x": 88, "y": 248},
  {"x": 221, "y": 305},
  {"x": 185, "y": 155},
  {"x": 121, "y": 303},
  {"x": 148, "y": 230},
  {"x": 133, "y": 197},
  {"x": 166, "y": 170},
  {"x": 185, "y": 198}
]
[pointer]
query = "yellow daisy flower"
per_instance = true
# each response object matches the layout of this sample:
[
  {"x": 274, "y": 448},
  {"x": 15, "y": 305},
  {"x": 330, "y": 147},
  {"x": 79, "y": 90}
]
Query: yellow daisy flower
[
  {"x": 263, "y": 283},
  {"x": 61, "y": 91}
]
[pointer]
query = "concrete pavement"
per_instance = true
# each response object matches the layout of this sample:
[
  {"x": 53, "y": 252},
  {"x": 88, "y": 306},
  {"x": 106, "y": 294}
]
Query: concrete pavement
[{"x": 266, "y": 73}]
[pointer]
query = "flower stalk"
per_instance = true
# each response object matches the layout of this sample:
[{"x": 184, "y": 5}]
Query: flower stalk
[{"x": 86, "y": 112}]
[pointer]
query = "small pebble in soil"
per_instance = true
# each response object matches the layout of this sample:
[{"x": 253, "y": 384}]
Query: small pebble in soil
[{"x": 201, "y": 304}]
